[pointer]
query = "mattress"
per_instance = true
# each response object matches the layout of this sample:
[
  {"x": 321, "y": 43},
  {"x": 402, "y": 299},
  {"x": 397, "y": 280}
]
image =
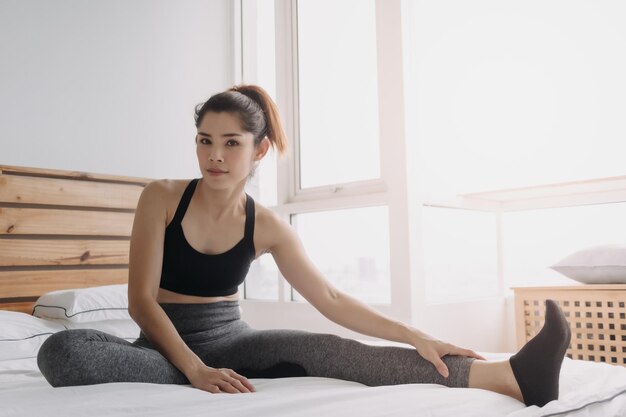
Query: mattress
[{"x": 587, "y": 389}]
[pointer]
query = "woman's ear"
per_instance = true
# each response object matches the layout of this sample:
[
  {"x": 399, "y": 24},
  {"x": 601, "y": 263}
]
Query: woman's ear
[{"x": 262, "y": 149}]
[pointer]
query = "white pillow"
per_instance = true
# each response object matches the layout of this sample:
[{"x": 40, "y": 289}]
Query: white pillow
[
  {"x": 108, "y": 302},
  {"x": 21, "y": 334},
  {"x": 604, "y": 264}
]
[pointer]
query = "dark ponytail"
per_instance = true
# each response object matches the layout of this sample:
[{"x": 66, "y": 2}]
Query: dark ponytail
[{"x": 256, "y": 109}]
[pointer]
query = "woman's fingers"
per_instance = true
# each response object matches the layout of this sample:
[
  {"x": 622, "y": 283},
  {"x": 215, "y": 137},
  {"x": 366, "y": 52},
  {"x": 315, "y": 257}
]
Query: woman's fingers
[
  {"x": 455, "y": 350},
  {"x": 473, "y": 354},
  {"x": 238, "y": 385},
  {"x": 439, "y": 349},
  {"x": 220, "y": 380},
  {"x": 226, "y": 386},
  {"x": 242, "y": 380},
  {"x": 231, "y": 382},
  {"x": 439, "y": 365},
  {"x": 213, "y": 389}
]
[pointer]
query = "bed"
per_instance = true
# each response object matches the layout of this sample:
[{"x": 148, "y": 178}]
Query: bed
[{"x": 64, "y": 240}]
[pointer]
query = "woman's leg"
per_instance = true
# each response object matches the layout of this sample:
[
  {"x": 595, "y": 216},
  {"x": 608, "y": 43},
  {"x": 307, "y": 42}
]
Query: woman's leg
[
  {"x": 275, "y": 353},
  {"x": 495, "y": 376},
  {"x": 531, "y": 375},
  {"x": 87, "y": 356}
]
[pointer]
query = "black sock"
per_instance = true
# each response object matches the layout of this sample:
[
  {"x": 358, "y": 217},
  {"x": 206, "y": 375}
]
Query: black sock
[{"x": 538, "y": 363}]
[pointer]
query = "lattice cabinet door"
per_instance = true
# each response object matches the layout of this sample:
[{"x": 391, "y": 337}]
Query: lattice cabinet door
[{"x": 596, "y": 314}]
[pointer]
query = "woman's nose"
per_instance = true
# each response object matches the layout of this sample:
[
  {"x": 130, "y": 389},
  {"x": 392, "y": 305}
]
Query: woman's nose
[{"x": 216, "y": 157}]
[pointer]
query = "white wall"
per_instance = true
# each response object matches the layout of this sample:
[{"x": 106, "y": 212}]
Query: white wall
[{"x": 109, "y": 86}]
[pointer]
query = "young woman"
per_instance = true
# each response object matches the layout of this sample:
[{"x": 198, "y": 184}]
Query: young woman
[{"x": 192, "y": 244}]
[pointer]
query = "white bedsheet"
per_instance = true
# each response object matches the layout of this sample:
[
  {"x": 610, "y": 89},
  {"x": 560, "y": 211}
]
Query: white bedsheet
[{"x": 24, "y": 392}]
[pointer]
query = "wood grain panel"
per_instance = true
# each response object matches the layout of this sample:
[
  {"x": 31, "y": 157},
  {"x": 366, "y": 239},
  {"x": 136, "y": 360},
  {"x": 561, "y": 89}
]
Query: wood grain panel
[
  {"x": 21, "y": 306},
  {"x": 15, "y": 284},
  {"x": 62, "y": 229},
  {"x": 21, "y": 221},
  {"x": 29, "y": 252},
  {"x": 68, "y": 192},
  {"x": 78, "y": 175}
]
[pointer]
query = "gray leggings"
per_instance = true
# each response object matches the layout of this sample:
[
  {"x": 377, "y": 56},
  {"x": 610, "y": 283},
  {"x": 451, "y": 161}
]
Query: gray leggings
[{"x": 216, "y": 333}]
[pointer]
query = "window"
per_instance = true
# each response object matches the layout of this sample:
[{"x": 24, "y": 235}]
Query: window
[
  {"x": 351, "y": 248},
  {"x": 334, "y": 187},
  {"x": 459, "y": 249},
  {"x": 537, "y": 239},
  {"x": 262, "y": 280},
  {"x": 512, "y": 94},
  {"x": 338, "y": 93}
]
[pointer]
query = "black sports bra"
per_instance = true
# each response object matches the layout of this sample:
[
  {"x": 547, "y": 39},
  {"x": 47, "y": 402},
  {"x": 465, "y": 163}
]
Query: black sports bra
[{"x": 187, "y": 271}]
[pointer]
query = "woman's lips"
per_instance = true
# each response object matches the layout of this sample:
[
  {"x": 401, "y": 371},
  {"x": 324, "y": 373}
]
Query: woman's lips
[{"x": 215, "y": 172}]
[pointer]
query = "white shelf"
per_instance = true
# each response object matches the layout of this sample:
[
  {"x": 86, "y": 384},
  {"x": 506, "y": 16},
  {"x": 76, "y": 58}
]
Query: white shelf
[{"x": 565, "y": 194}]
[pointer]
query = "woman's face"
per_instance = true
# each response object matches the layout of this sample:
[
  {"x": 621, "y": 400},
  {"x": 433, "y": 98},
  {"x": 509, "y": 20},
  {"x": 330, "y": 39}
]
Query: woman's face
[{"x": 226, "y": 153}]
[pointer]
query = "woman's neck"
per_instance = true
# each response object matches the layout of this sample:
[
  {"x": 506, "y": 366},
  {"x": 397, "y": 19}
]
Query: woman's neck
[{"x": 221, "y": 204}]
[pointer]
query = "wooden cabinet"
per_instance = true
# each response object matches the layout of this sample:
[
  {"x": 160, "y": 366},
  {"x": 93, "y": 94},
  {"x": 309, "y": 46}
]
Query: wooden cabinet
[{"x": 596, "y": 314}]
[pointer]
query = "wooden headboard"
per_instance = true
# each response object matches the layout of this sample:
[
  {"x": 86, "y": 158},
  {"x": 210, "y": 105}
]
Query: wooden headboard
[{"x": 62, "y": 229}]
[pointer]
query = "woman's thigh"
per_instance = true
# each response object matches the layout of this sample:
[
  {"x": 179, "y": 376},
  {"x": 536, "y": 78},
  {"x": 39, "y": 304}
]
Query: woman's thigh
[{"x": 87, "y": 356}]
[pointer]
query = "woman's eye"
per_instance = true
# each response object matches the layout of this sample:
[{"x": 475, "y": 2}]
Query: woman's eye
[
  {"x": 233, "y": 142},
  {"x": 204, "y": 141}
]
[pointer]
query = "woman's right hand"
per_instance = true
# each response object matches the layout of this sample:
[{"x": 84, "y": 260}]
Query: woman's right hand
[{"x": 216, "y": 380}]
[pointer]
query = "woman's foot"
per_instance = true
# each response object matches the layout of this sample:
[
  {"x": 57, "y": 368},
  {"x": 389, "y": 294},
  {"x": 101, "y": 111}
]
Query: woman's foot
[{"x": 536, "y": 367}]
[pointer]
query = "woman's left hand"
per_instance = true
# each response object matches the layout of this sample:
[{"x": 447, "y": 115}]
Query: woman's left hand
[{"x": 433, "y": 349}]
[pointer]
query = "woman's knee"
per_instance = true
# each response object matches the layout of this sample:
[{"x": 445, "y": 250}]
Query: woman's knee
[{"x": 57, "y": 351}]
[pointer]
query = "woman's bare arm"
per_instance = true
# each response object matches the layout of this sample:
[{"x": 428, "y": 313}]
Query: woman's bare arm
[
  {"x": 345, "y": 310},
  {"x": 305, "y": 277},
  {"x": 146, "y": 258}
]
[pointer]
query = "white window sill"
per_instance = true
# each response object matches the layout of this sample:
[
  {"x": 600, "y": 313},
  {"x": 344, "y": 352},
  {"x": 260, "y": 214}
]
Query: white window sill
[{"x": 565, "y": 194}]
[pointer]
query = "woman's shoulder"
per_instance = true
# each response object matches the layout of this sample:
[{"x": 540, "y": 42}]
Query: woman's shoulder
[
  {"x": 167, "y": 184},
  {"x": 265, "y": 217},
  {"x": 164, "y": 194},
  {"x": 270, "y": 228},
  {"x": 166, "y": 188}
]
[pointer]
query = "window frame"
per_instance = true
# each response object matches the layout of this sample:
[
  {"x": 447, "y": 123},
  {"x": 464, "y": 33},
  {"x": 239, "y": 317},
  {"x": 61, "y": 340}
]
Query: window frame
[
  {"x": 287, "y": 13},
  {"x": 391, "y": 189}
]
